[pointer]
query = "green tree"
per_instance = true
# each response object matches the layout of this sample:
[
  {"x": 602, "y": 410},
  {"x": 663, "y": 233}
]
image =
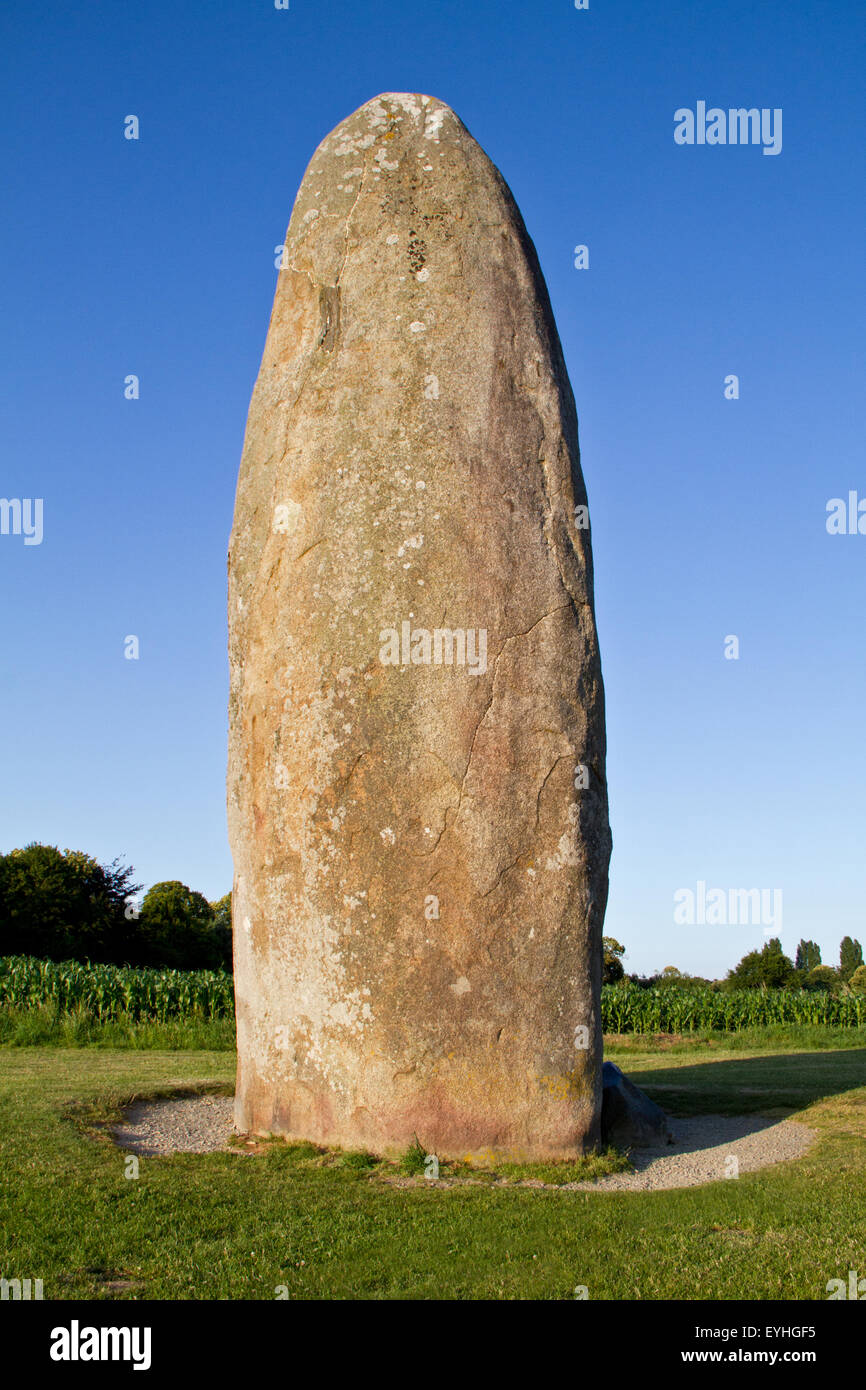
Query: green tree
[
  {"x": 850, "y": 957},
  {"x": 64, "y": 905},
  {"x": 857, "y": 982},
  {"x": 222, "y": 928},
  {"x": 672, "y": 978},
  {"x": 808, "y": 955},
  {"x": 768, "y": 968},
  {"x": 823, "y": 977},
  {"x": 176, "y": 928},
  {"x": 613, "y": 967}
]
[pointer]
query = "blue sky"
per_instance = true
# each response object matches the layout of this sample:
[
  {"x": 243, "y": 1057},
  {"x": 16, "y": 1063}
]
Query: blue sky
[{"x": 155, "y": 257}]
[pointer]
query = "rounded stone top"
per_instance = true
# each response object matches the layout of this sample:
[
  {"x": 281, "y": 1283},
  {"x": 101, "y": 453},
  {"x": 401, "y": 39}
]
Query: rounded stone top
[
  {"x": 384, "y": 113},
  {"x": 404, "y": 96},
  {"x": 412, "y": 102}
]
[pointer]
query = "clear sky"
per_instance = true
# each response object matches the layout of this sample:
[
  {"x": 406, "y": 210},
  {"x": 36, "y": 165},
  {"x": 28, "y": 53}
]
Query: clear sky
[{"x": 156, "y": 257}]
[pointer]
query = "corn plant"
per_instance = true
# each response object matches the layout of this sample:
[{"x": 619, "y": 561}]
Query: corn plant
[
  {"x": 109, "y": 991},
  {"x": 626, "y": 1008}
]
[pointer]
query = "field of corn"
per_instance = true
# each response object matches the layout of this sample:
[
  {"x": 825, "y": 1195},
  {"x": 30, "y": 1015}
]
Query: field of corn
[
  {"x": 107, "y": 992},
  {"x": 626, "y": 1008}
]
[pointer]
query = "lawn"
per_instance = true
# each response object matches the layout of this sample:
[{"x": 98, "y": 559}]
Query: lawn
[{"x": 233, "y": 1226}]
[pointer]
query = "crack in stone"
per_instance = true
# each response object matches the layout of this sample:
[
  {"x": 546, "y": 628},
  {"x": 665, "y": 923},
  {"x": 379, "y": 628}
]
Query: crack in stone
[
  {"x": 350, "y": 774},
  {"x": 560, "y": 759},
  {"x": 336, "y": 285},
  {"x": 433, "y": 848},
  {"x": 310, "y": 547},
  {"x": 550, "y": 494},
  {"x": 328, "y": 340},
  {"x": 513, "y": 638},
  {"x": 500, "y": 876}
]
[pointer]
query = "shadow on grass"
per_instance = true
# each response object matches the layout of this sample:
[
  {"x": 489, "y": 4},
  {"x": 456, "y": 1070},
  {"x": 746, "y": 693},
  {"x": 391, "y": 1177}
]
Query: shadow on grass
[{"x": 752, "y": 1085}]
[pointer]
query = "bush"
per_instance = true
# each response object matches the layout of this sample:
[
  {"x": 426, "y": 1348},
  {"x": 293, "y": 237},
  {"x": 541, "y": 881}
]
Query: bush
[
  {"x": 823, "y": 977},
  {"x": 768, "y": 968},
  {"x": 857, "y": 982}
]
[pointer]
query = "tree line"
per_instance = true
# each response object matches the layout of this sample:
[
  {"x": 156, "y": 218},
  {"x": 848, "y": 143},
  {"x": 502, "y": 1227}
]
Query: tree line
[
  {"x": 767, "y": 968},
  {"x": 64, "y": 905}
]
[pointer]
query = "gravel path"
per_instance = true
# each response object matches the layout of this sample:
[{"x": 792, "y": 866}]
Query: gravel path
[
  {"x": 191, "y": 1124},
  {"x": 704, "y": 1148}
]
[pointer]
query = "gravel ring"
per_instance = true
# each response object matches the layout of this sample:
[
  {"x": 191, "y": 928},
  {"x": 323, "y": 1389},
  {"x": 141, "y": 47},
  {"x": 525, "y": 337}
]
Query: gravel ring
[
  {"x": 703, "y": 1146},
  {"x": 190, "y": 1124}
]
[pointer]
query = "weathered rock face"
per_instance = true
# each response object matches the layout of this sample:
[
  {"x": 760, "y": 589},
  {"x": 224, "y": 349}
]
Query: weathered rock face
[{"x": 417, "y": 797}]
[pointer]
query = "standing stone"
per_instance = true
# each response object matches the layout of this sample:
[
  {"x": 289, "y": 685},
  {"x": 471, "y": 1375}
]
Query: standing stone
[{"x": 417, "y": 797}]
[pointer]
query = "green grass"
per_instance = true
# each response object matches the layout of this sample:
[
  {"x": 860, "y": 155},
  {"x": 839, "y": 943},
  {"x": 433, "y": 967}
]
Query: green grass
[
  {"x": 414, "y": 1160},
  {"x": 743, "y": 1083},
  {"x": 778, "y": 1037},
  {"x": 47, "y": 1025},
  {"x": 239, "y": 1225},
  {"x": 415, "y": 1163},
  {"x": 596, "y": 1165}
]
